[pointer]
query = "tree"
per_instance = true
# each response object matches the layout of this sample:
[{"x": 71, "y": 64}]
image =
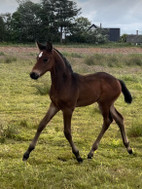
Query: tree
[
  {"x": 99, "y": 35},
  {"x": 2, "y": 29},
  {"x": 79, "y": 31},
  {"x": 66, "y": 11},
  {"x": 47, "y": 20},
  {"x": 123, "y": 38},
  {"x": 61, "y": 14},
  {"x": 5, "y": 27},
  {"x": 26, "y": 21},
  {"x": 48, "y": 28}
]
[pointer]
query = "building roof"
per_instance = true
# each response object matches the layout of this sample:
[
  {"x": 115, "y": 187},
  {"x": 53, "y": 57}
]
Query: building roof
[
  {"x": 113, "y": 33},
  {"x": 93, "y": 26},
  {"x": 134, "y": 39}
]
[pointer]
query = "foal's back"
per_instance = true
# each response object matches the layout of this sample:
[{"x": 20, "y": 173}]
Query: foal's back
[{"x": 98, "y": 87}]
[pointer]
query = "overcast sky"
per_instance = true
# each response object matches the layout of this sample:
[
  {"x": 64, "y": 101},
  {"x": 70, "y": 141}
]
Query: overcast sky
[{"x": 125, "y": 14}]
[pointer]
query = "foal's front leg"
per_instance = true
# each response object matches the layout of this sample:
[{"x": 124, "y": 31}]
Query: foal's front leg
[
  {"x": 51, "y": 112},
  {"x": 67, "y": 115}
]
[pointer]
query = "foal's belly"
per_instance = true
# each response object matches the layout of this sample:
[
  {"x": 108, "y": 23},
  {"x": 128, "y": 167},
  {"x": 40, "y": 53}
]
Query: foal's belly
[{"x": 86, "y": 100}]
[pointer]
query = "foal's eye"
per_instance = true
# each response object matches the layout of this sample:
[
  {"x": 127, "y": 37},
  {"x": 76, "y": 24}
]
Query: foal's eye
[{"x": 45, "y": 60}]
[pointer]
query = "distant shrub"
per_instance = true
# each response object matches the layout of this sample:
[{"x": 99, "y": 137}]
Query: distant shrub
[
  {"x": 89, "y": 60},
  {"x": 129, "y": 78},
  {"x": 136, "y": 60},
  {"x": 73, "y": 55},
  {"x": 76, "y": 55},
  {"x": 96, "y": 59},
  {"x": 133, "y": 60},
  {"x": 8, "y": 59},
  {"x": 113, "y": 60},
  {"x": 23, "y": 123},
  {"x": 2, "y": 54}
]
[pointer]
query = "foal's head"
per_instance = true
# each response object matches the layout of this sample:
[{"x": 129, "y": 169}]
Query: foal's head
[{"x": 45, "y": 61}]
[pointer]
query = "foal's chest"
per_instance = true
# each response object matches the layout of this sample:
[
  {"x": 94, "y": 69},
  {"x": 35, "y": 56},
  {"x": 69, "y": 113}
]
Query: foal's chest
[{"x": 63, "y": 100}]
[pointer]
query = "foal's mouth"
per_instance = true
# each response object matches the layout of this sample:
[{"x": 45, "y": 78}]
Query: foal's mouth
[{"x": 34, "y": 75}]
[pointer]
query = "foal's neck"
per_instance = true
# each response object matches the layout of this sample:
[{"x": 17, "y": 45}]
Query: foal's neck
[{"x": 60, "y": 73}]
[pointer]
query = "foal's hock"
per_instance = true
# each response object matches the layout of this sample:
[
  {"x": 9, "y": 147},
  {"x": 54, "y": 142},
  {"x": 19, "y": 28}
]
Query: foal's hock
[{"x": 70, "y": 90}]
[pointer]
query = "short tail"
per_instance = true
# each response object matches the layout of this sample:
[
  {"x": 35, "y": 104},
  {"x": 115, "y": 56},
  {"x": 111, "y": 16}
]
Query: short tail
[{"x": 126, "y": 93}]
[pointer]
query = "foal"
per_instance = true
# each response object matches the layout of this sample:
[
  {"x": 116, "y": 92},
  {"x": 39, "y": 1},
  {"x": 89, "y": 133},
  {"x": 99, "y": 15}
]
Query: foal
[{"x": 70, "y": 90}]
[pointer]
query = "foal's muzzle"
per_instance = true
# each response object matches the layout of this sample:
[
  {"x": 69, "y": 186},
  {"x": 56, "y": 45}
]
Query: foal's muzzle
[{"x": 34, "y": 75}]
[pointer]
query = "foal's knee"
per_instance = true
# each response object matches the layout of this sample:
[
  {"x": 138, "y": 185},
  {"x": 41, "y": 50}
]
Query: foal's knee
[{"x": 107, "y": 123}]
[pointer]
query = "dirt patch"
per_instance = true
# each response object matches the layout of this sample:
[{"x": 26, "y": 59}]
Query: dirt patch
[
  {"x": 87, "y": 51},
  {"x": 125, "y": 50}
]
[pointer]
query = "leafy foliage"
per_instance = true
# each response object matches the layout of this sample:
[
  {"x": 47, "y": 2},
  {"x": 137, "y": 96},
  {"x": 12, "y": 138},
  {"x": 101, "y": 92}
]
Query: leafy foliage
[
  {"x": 39, "y": 21},
  {"x": 25, "y": 22},
  {"x": 49, "y": 20}
]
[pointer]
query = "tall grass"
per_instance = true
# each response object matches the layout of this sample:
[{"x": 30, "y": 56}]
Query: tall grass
[
  {"x": 73, "y": 55},
  {"x": 8, "y": 59},
  {"x": 2, "y": 54},
  {"x": 136, "y": 128},
  {"x": 113, "y": 60},
  {"x": 7, "y": 131},
  {"x": 42, "y": 90}
]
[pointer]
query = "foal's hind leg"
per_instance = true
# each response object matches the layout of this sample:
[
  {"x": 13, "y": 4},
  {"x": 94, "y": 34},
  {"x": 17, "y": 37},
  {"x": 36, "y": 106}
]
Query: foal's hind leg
[
  {"x": 51, "y": 112},
  {"x": 107, "y": 120},
  {"x": 119, "y": 120}
]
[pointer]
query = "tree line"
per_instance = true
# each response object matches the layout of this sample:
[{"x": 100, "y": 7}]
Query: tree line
[{"x": 49, "y": 20}]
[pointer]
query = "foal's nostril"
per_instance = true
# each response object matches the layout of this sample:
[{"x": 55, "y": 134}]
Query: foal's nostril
[{"x": 34, "y": 75}]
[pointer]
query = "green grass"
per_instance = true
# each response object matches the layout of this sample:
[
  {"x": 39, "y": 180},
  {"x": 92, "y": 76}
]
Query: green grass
[
  {"x": 24, "y": 102},
  {"x": 72, "y": 45}
]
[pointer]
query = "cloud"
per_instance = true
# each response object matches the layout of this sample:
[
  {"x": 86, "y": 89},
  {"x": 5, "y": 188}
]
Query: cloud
[
  {"x": 8, "y": 6},
  {"x": 125, "y": 14}
]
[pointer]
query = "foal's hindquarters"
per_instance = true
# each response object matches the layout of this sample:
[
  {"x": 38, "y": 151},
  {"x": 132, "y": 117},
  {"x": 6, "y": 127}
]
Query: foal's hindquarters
[{"x": 109, "y": 113}]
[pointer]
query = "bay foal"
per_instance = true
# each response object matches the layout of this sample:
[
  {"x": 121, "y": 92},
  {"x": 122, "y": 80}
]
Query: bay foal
[{"x": 70, "y": 90}]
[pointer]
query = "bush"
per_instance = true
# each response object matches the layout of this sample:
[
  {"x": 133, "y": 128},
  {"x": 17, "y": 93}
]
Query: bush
[
  {"x": 8, "y": 59},
  {"x": 96, "y": 59},
  {"x": 136, "y": 60},
  {"x": 113, "y": 60},
  {"x": 1, "y": 53}
]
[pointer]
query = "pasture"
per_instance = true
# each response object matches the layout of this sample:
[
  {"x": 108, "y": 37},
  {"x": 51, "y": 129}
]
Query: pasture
[{"x": 24, "y": 102}]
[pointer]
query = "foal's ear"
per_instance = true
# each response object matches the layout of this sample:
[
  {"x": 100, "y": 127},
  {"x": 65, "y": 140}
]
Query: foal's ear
[
  {"x": 40, "y": 46},
  {"x": 49, "y": 46}
]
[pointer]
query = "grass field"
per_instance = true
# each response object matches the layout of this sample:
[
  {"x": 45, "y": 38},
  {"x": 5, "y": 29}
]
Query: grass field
[{"x": 23, "y": 103}]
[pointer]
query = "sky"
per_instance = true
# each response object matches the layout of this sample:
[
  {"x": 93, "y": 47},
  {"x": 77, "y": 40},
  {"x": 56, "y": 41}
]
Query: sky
[{"x": 123, "y": 14}]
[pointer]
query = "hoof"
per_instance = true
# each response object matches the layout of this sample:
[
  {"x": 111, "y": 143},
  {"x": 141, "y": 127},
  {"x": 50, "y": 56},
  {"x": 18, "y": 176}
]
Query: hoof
[
  {"x": 90, "y": 156},
  {"x": 130, "y": 151},
  {"x": 80, "y": 160},
  {"x": 25, "y": 156}
]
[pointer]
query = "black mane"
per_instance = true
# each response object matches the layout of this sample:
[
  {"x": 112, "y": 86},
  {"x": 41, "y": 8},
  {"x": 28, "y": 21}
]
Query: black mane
[{"x": 65, "y": 61}]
